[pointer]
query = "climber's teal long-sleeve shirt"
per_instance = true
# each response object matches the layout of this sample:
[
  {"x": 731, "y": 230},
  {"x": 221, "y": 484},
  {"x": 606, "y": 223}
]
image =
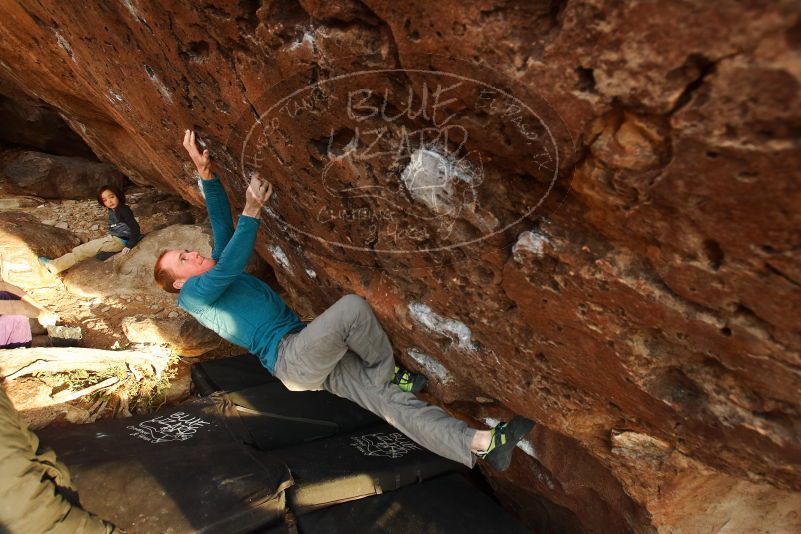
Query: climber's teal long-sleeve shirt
[{"x": 238, "y": 306}]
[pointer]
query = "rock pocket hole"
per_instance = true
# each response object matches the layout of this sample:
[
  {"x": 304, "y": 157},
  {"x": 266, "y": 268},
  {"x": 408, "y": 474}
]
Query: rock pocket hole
[
  {"x": 198, "y": 50},
  {"x": 586, "y": 80},
  {"x": 336, "y": 144},
  {"x": 677, "y": 389},
  {"x": 714, "y": 254}
]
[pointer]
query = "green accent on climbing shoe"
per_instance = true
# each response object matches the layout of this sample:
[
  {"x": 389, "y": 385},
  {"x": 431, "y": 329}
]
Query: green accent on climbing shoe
[
  {"x": 497, "y": 439},
  {"x": 408, "y": 381},
  {"x": 483, "y": 454},
  {"x": 403, "y": 379}
]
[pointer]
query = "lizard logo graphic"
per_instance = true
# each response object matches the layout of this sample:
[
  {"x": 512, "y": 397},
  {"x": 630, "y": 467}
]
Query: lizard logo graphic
[{"x": 390, "y": 445}]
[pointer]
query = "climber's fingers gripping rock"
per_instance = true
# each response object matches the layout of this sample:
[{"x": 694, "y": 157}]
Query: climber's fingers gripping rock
[{"x": 202, "y": 161}]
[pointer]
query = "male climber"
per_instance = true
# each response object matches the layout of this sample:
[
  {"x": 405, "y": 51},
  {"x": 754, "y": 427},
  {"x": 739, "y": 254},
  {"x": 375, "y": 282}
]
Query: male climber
[{"x": 344, "y": 350}]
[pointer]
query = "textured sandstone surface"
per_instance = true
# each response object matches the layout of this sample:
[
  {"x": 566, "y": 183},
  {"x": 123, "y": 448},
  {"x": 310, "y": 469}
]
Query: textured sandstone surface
[
  {"x": 183, "y": 335},
  {"x": 646, "y": 315},
  {"x": 49, "y": 176},
  {"x": 30, "y": 123}
]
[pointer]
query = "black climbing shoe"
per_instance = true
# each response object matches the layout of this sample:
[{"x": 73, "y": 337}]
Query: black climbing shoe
[
  {"x": 103, "y": 256},
  {"x": 408, "y": 381},
  {"x": 505, "y": 437}
]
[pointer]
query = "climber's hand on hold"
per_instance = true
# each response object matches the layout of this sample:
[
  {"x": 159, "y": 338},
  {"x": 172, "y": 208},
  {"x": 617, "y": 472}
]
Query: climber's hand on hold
[
  {"x": 202, "y": 161},
  {"x": 258, "y": 192}
]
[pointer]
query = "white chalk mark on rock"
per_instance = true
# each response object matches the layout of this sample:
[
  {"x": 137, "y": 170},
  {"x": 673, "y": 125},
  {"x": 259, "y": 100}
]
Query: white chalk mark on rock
[
  {"x": 63, "y": 43},
  {"x": 639, "y": 445},
  {"x": 526, "y": 446},
  {"x": 165, "y": 92},
  {"x": 200, "y": 187},
  {"x": 431, "y": 366},
  {"x": 532, "y": 242},
  {"x": 131, "y": 9},
  {"x": 451, "y": 328},
  {"x": 280, "y": 256},
  {"x": 311, "y": 273},
  {"x": 430, "y": 178},
  {"x": 306, "y": 40}
]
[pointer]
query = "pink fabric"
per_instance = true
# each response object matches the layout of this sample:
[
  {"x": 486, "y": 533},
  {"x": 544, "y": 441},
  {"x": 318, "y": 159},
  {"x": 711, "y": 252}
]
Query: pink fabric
[{"x": 15, "y": 331}]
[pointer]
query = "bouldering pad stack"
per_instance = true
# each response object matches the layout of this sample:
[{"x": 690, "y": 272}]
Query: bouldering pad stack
[
  {"x": 229, "y": 374},
  {"x": 445, "y": 505},
  {"x": 252, "y": 456},
  {"x": 183, "y": 469},
  {"x": 360, "y": 464},
  {"x": 278, "y": 418},
  {"x": 274, "y": 416},
  {"x": 351, "y": 471}
]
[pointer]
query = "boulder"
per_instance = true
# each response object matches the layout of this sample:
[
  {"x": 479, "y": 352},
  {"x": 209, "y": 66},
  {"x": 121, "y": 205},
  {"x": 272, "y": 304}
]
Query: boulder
[
  {"x": 48, "y": 176},
  {"x": 183, "y": 335},
  {"x": 132, "y": 274},
  {"x": 645, "y": 314},
  {"x": 22, "y": 240},
  {"x": 30, "y": 122}
]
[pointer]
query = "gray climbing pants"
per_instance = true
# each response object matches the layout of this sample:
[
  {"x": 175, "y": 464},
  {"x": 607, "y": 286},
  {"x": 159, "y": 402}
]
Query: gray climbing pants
[{"x": 346, "y": 352}]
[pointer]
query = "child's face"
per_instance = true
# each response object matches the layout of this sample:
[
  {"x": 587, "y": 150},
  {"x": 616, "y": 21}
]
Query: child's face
[{"x": 109, "y": 199}]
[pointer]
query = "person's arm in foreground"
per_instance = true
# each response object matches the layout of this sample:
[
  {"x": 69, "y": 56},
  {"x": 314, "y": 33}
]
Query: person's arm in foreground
[
  {"x": 216, "y": 200},
  {"x": 26, "y": 306},
  {"x": 234, "y": 258}
]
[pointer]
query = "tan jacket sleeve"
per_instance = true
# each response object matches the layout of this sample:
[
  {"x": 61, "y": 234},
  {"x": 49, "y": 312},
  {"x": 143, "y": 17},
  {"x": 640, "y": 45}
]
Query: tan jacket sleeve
[{"x": 29, "y": 497}]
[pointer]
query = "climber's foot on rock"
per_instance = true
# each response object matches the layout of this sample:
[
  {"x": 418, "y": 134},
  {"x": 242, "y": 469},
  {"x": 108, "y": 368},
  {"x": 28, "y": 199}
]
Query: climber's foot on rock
[
  {"x": 504, "y": 438},
  {"x": 408, "y": 381}
]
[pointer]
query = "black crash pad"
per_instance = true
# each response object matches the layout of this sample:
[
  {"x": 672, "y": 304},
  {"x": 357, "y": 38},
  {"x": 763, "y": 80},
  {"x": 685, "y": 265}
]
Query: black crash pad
[
  {"x": 230, "y": 374},
  {"x": 356, "y": 465},
  {"x": 449, "y": 504},
  {"x": 181, "y": 469},
  {"x": 277, "y": 417},
  {"x": 281, "y": 528}
]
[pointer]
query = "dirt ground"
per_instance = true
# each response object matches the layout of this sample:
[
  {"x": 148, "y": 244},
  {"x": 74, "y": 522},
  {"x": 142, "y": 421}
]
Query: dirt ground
[{"x": 100, "y": 318}]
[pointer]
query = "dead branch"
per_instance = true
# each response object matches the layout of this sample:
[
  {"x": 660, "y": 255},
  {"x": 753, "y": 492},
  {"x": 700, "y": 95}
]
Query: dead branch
[
  {"x": 20, "y": 362},
  {"x": 68, "y": 395}
]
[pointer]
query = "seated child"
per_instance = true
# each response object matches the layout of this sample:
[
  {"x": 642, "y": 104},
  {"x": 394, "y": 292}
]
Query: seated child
[{"x": 123, "y": 231}]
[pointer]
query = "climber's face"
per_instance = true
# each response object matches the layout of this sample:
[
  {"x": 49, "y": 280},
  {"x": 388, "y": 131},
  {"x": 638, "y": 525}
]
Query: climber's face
[
  {"x": 109, "y": 199},
  {"x": 185, "y": 264}
]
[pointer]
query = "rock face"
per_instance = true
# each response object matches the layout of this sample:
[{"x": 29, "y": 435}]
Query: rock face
[
  {"x": 48, "y": 176},
  {"x": 183, "y": 335},
  {"x": 601, "y": 232},
  {"x": 24, "y": 239},
  {"x": 31, "y": 123}
]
